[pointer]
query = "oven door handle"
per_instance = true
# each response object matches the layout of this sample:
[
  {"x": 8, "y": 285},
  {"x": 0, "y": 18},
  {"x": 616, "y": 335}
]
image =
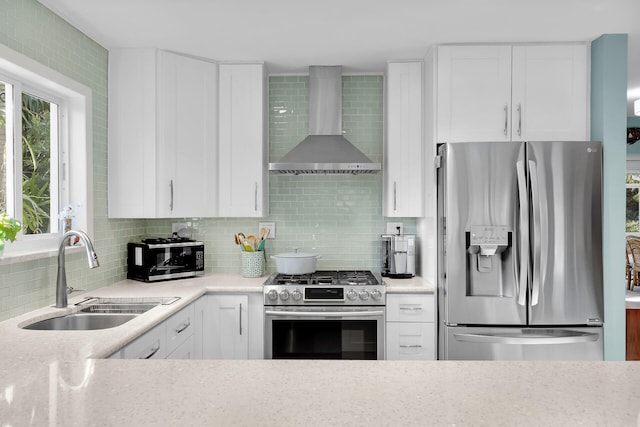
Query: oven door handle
[{"x": 325, "y": 313}]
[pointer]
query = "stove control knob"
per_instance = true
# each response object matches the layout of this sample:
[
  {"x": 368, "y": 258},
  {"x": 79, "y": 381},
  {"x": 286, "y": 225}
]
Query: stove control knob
[
  {"x": 376, "y": 294},
  {"x": 364, "y": 295},
  {"x": 284, "y": 295},
  {"x": 296, "y": 295},
  {"x": 272, "y": 295},
  {"x": 352, "y": 294}
]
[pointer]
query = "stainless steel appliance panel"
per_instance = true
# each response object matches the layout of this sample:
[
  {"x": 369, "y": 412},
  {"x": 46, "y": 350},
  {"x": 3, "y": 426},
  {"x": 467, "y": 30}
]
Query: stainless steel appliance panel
[
  {"x": 567, "y": 343},
  {"x": 566, "y": 238},
  {"x": 479, "y": 190}
]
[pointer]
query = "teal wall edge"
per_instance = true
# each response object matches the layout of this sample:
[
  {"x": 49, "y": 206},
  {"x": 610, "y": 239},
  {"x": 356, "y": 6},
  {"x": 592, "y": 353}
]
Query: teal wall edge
[{"x": 609, "y": 56}]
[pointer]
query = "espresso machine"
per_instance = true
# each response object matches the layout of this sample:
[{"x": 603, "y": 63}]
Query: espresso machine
[{"x": 398, "y": 255}]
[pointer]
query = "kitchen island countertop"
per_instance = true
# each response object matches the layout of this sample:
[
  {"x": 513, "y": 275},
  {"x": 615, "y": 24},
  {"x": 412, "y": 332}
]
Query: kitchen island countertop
[{"x": 59, "y": 378}]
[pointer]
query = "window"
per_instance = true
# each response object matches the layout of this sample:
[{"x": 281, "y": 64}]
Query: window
[
  {"x": 29, "y": 138},
  {"x": 633, "y": 203},
  {"x": 45, "y": 153}
]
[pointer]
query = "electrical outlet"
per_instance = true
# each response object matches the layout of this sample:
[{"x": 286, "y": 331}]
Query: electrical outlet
[
  {"x": 392, "y": 228},
  {"x": 271, "y": 226}
]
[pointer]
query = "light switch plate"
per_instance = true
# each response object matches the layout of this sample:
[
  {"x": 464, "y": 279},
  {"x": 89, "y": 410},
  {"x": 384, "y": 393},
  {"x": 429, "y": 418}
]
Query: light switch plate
[
  {"x": 271, "y": 226},
  {"x": 392, "y": 228}
]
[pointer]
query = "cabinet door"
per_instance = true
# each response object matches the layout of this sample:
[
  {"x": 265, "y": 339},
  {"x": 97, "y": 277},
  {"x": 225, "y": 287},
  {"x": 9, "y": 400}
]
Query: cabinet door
[
  {"x": 230, "y": 337},
  {"x": 151, "y": 345},
  {"x": 403, "y": 190},
  {"x": 410, "y": 341},
  {"x": 243, "y": 151},
  {"x": 187, "y": 137},
  {"x": 473, "y": 93},
  {"x": 550, "y": 93},
  {"x": 132, "y": 133}
]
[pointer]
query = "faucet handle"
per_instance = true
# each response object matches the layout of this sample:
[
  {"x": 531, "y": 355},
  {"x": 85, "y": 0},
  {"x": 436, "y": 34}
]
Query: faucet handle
[{"x": 71, "y": 289}]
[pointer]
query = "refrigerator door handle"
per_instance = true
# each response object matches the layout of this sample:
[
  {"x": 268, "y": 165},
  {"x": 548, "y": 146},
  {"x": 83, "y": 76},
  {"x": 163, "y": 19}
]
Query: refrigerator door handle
[
  {"x": 537, "y": 235},
  {"x": 522, "y": 263},
  {"x": 540, "y": 338}
]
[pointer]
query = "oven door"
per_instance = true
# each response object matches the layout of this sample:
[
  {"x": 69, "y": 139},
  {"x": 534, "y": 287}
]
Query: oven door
[{"x": 313, "y": 332}]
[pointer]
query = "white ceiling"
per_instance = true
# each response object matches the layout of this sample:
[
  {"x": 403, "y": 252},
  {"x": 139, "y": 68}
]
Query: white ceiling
[{"x": 290, "y": 35}]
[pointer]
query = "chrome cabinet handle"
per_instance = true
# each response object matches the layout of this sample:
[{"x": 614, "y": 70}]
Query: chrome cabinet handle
[
  {"x": 184, "y": 326},
  {"x": 519, "y": 119},
  {"x": 240, "y": 318},
  {"x": 154, "y": 350},
  {"x": 395, "y": 196},
  {"x": 411, "y": 308},
  {"x": 506, "y": 119},
  {"x": 171, "y": 190},
  {"x": 255, "y": 198},
  {"x": 411, "y": 346}
]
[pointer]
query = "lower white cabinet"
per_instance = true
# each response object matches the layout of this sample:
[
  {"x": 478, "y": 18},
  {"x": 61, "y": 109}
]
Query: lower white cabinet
[
  {"x": 228, "y": 326},
  {"x": 175, "y": 338},
  {"x": 180, "y": 333},
  {"x": 235, "y": 327},
  {"x": 216, "y": 326},
  {"x": 410, "y": 327},
  {"x": 152, "y": 345}
]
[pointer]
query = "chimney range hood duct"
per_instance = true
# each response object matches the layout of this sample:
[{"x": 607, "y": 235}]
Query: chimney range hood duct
[{"x": 325, "y": 150}]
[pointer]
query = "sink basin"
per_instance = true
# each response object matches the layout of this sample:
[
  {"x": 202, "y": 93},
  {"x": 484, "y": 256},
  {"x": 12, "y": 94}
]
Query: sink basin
[
  {"x": 81, "y": 322},
  {"x": 101, "y": 313}
]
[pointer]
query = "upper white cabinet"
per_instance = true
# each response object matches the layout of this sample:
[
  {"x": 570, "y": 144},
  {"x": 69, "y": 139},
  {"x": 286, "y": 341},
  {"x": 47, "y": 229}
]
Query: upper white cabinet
[
  {"x": 243, "y": 173},
  {"x": 403, "y": 190},
  {"x": 162, "y": 135},
  {"x": 512, "y": 93}
]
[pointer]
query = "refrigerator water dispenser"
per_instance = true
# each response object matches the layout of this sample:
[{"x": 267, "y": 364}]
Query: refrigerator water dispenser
[{"x": 485, "y": 246}]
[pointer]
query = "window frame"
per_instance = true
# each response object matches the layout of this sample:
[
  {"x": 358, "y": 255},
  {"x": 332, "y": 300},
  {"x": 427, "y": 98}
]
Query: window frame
[{"x": 75, "y": 147}]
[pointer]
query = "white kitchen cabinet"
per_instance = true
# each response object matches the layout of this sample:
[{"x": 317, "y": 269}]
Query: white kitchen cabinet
[
  {"x": 410, "y": 327},
  {"x": 228, "y": 325},
  {"x": 186, "y": 350},
  {"x": 534, "y": 92},
  {"x": 162, "y": 135},
  {"x": 151, "y": 345},
  {"x": 243, "y": 151},
  {"x": 180, "y": 328},
  {"x": 403, "y": 190}
]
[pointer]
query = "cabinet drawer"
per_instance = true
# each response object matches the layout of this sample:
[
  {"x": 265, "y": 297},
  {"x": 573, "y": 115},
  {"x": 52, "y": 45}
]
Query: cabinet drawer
[
  {"x": 180, "y": 326},
  {"x": 152, "y": 345},
  {"x": 410, "y": 308},
  {"x": 410, "y": 341},
  {"x": 186, "y": 350}
]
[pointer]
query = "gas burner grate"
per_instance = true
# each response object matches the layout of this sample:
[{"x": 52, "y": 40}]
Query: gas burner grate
[{"x": 292, "y": 279}]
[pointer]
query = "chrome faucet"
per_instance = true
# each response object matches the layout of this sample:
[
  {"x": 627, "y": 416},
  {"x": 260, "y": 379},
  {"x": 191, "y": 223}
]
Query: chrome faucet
[{"x": 61, "y": 284}]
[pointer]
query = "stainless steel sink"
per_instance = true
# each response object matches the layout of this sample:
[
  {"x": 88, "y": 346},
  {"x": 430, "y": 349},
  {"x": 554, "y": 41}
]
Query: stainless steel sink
[
  {"x": 101, "y": 313},
  {"x": 81, "y": 322}
]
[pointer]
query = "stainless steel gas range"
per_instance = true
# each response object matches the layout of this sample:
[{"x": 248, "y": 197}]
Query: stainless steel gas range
[{"x": 325, "y": 315}]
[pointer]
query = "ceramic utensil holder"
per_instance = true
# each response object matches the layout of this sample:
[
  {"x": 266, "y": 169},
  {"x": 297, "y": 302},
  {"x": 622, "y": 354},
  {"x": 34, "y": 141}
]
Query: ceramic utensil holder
[{"x": 253, "y": 264}]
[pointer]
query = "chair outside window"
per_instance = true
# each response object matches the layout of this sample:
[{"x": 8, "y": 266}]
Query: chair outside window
[{"x": 633, "y": 261}]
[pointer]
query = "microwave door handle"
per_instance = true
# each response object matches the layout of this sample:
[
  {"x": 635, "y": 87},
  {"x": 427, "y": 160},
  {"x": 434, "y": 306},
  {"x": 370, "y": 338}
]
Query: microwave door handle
[
  {"x": 537, "y": 235},
  {"x": 522, "y": 261}
]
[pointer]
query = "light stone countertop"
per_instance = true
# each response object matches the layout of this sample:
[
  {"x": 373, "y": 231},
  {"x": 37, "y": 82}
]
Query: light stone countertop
[{"x": 50, "y": 378}]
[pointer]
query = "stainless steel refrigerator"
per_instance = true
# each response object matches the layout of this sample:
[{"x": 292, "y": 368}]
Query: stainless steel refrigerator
[{"x": 520, "y": 251}]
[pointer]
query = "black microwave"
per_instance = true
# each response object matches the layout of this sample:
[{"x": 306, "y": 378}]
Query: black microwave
[{"x": 155, "y": 259}]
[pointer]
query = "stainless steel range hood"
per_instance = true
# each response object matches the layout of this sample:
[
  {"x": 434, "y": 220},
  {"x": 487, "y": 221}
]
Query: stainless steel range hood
[{"x": 325, "y": 150}]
